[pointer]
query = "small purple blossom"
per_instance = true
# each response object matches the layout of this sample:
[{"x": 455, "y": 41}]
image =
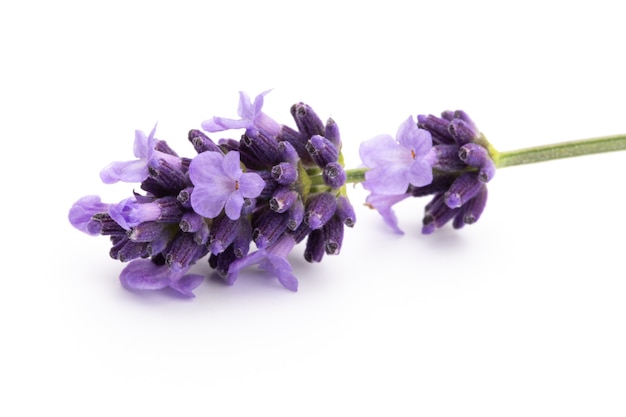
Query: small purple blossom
[
  {"x": 220, "y": 183},
  {"x": 82, "y": 212},
  {"x": 272, "y": 259},
  {"x": 144, "y": 274},
  {"x": 251, "y": 117},
  {"x": 136, "y": 170},
  {"x": 394, "y": 164}
]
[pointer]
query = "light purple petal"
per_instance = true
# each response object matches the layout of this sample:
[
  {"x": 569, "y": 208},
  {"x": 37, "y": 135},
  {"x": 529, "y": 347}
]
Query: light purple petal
[
  {"x": 282, "y": 269},
  {"x": 129, "y": 171},
  {"x": 233, "y": 205},
  {"x": 384, "y": 203},
  {"x": 420, "y": 174},
  {"x": 251, "y": 184},
  {"x": 209, "y": 202},
  {"x": 143, "y": 274},
  {"x": 83, "y": 210},
  {"x": 246, "y": 109},
  {"x": 219, "y": 124},
  {"x": 239, "y": 264},
  {"x": 231, "y": 165},
  {"x": 413, "y": 138},
  {"x": 205, "y": 167},
  {"x": 383, "y": 150},
  {"x": 389, "y": 180},
  {"x": 187, "y": 283}
]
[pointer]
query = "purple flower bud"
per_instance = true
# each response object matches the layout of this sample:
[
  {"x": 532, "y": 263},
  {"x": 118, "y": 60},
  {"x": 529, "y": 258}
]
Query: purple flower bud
[
  {"x": 268, "y": 226},
  {"x": 462, "y": 190},
  {"x": 288, "y": 153},
  {"x": 258, "y": 150},
  {"x": 446, "y": 158},
  {"x": 322, "y": 150},
  {"x": 146, "y": 232},
  {"x": 241, "y": 244},
  {"x": 320, "y": 208},
  {"x": 474, "y": 208},
  {"x": 191, "y": 222},
  {"x": 183, "y": 252},
  {"x": 315, "y": 246},
  {"x": 202, "y": 235},
  {"x": 437, "y": 127},
  {"x": 222, "y": 261},
  {"x": 126, "y": 250},
  {"x": 82, "y": 212},
  {"x": 345, "y": 211},
  {"x": 296, "y": 215},
  {"x": 437, "y": 214},
  {"x": 283, "y": 199},
  {"x": 223, "y": 233},
  {"x": 202, "y": 142},
  {"x": 284, "y": 173},
  {"x": 463, "y": 132},
  {"x": 333, "y": 234},
  {"x": 307, "y": 120},
  {"x": 168, "y": 175},
  {"x": 331, "y": 132},
  {"x": 334, "y": 176},
  {"x": 477, "y": 156},
  {"x": 297, "y": 140},
  {"x": 184, "y": 197}
]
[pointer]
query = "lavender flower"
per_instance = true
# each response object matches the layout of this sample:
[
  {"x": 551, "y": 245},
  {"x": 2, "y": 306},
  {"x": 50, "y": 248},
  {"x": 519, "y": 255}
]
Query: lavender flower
[
  {"x": 82, "y": 212},
  {"x": 220, "y": 183},
  {"x": 132, "y": 171},
  {"x": 251, "y": 117},
  {"x": 394, "y": 164},
  {"x": 143, "y": 274}
]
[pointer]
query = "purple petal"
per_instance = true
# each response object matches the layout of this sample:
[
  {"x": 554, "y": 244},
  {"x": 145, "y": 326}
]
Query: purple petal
[
  {"x": 281, "y": 268},
  {"x": 246, "y": 110},
  {"x": 251, "y": 184},
  {"x": 219, "y": 124},
  {"x": 383, "y": 204},
  {"x": 233, "y": 205},
  {"x": 239, "y": 264},
  {"x": 130, "y": 171},
  {"x": 389, "y": 180},
  {"x": 140, "y": 147},
  {"x": 187, "y": 284},
  {"x": 205, "y": 167},
  {"x": 209, "y": 202},
  {"x": 231, "y": 165},
  {"x": 383, "y": 150},
  {"x": 143, "y": 274},
  {"x": 420, "y": 173}
]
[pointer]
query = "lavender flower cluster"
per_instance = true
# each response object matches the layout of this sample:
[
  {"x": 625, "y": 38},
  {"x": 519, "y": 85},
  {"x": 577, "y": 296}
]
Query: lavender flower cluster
[
  {"x": 274, "y": 187},
  {"x": 446, "y": 157}
]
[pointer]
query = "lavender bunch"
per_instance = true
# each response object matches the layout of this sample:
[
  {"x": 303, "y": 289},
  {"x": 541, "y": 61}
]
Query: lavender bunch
[
  {"x": 272, "y": 188},
  {"x": 249, "y": 201}
]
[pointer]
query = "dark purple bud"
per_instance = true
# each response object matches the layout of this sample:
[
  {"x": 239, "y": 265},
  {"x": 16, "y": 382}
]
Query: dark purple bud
[
  {"x": 241, "y": 244},
  {"x": 474, "y": 208},
  {"x": 202, "y": 142},
  {"x": 301, "y": 232},
  {"x": 334, "y": 176},
  {"x": 297, "y": 140},
  {"x": 463, "y": 132},
  {"x": 315, "y": 246},
  {"x": 169, "y": 176},
  {"x": 191, "y": 222},
  {"x": 171, "y": 210},
  {"x": 283, "y": 199},
  {"x": 437, "y": 127},
  {"x": 184, "y": 197},
  {"x": 320, "y": 208},
  {"x": 223, "y": 233},
  {"x": 477, "y": 156},
  {"x": 222, "y": 261},
  {"x": 447, "y": 115},
  {"x": 163, "y": 147},
  {"x": 258, "y": 150},
  {"x": 331, "y": 132},
  {"x": 322, "y": 150},
  {"x": 159, "y": 244},
  {"x": 183, "y": 252},
  {"x": 284, "y": 173},
  {"x": 458, "y": 221},
  {"x": 462, "y": 190},
  {"x": 268, "y": 226},
  {"x": 105, "y": 225},
  {"x": 333, "y": 235},
  {"x": 447, "y": 158},
  {"x": 201, "y": 236},
  {"x": 437, "y": 214},
  {"x": 249, "y": 204},
  {"x": 345, "y": 211},
  {"x": 146, "y": 232},
  {"x": 307, "y": 120},
  {"x": 126, "y": 250},
  {"x": 296, "y": 214},
  {"x": 288, "y": 153},
  {"x": 460, "y": 114},
  {"x": 227, "y": 145}
]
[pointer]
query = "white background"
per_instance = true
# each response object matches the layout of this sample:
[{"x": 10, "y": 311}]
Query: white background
[{"x": 521, "y": 314}]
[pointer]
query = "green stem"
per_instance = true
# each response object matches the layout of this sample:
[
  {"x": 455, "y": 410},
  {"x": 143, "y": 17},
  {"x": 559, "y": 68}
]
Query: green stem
[{"x": 559, "y": 150}]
